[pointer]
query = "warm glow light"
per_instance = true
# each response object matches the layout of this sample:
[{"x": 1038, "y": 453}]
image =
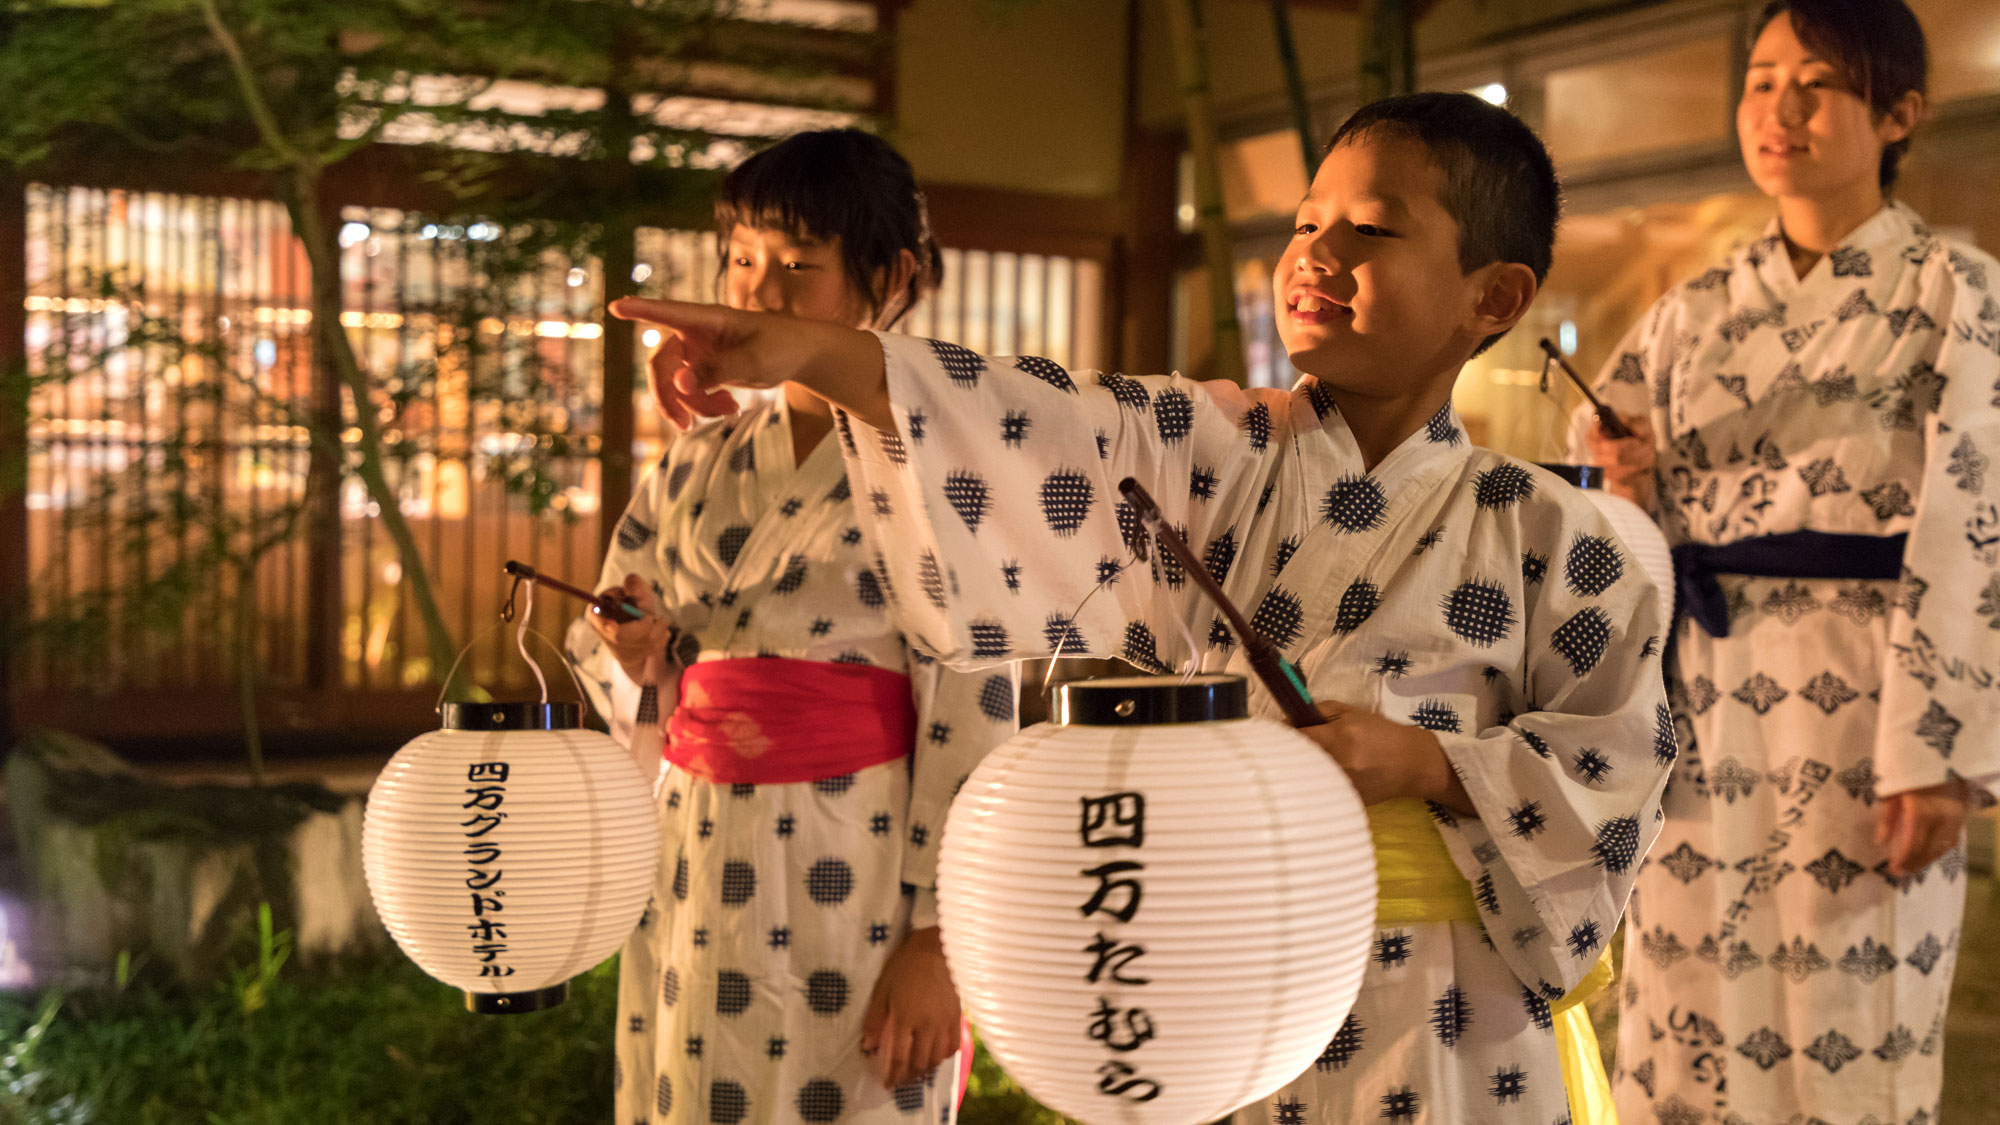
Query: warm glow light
[
  {"x": 353, "y": 233},
  {"x": 651, "y": 338},
  {"x": 1492, "y": 92}
]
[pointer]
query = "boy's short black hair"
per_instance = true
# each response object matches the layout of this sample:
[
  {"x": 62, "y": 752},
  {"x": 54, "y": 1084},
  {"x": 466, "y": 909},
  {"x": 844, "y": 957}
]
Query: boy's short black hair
[
  {"x": 837, "y": 183},
  {"x": 1499, "y": 184},
  {"x": 1878, "y": 47}
]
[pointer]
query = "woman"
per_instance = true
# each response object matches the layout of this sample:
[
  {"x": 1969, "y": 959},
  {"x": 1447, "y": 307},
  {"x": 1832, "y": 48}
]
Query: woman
[
  {"x": 1816, "y": 421},
  {"x": 789, "y": 968}
]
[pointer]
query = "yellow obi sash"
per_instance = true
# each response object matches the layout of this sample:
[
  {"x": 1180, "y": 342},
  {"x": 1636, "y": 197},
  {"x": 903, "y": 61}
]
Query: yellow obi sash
[{"x": 1418, "y": 882}]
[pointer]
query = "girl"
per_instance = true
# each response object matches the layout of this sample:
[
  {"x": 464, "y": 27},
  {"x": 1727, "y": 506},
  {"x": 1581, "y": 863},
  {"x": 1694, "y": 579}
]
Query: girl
[
  {"x": 789, "y": 968},
  {"x": 1816, "y": 419}
]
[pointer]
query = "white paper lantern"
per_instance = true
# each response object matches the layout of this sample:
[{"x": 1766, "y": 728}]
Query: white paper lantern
[
  {"x": 510, "y": 851},
  {"x": 1639, "y": 533},
  {"x": 1156, "y": 910}
]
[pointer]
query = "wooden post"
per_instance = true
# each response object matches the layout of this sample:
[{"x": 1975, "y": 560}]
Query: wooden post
[
  {"x": 13, "y": 443},
  {"x": 616, "y": 427},
  {"x": 619, "y": 256},
  {"x": 325, "y": 614},
  {"x": 1142, "y": 273}
]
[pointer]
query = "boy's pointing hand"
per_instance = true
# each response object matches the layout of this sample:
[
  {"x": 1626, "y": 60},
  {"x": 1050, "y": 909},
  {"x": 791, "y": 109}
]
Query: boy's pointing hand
[{"x": 1387, "y": 760}]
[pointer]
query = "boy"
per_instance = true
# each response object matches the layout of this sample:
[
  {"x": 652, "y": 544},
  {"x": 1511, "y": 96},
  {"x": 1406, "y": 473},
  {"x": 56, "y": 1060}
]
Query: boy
[{"x": 1471, "y": 625}]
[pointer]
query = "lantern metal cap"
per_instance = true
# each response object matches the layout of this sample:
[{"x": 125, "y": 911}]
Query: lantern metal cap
[
  {"x": 514, "y": 715},
  {"x": 1586, "y": 477},
  {"x": 1148, "y": 700},
  {"x": 515, "y": 1003}
]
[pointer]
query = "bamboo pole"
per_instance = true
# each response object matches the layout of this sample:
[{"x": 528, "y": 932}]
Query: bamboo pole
[
  {"x": 1184, "y": 22},
  {"x": 1295, "y": 84},
  {"x": 1388, "y": 49}
]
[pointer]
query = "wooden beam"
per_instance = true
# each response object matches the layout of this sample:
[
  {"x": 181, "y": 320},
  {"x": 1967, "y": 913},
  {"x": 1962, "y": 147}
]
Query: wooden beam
[
  {"x": 216, "y": 712},
  {"x": 406, "y": 177},
  {"x": 969, "y": 217}
]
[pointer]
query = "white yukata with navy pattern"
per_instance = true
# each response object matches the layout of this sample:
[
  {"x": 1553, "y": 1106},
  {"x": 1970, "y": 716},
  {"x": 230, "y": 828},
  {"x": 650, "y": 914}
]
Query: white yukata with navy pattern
[
  {"x": 742, "y": 993},
  {"x": 1450, "y": 587},
  {"x": 1863, "y": 398}
]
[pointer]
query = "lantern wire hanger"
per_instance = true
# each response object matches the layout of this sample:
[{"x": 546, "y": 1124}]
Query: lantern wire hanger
[
  {"x": 527, "y": 577},
  {"x": 1136, "y": 553},
  {"x": 1278, "y": 675}
]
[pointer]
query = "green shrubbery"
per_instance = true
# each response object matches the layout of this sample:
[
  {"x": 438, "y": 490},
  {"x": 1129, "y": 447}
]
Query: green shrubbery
[
  {"x": 372, "y": 1042},
  {"x": 369, "y": 1042}
]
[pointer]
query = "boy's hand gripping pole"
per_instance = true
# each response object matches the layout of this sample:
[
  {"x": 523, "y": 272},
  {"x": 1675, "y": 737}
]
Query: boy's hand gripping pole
[{"x": 1279, "y": 677}]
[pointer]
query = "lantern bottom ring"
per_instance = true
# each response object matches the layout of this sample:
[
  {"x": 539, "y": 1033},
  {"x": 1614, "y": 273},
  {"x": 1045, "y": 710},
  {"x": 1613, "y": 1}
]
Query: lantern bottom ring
[{"x": 515, "y": 1003}]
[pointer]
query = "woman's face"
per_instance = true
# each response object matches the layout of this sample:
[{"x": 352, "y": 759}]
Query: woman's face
[
  {"x": 773, "y": 271},
  {"x": 1804, "y": 129}
]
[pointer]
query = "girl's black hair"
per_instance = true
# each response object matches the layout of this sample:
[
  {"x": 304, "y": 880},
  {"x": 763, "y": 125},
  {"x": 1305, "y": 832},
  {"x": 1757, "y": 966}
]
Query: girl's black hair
[
  {"x": 1878, "y": 45},
  {"x": 838, "y": 183}
]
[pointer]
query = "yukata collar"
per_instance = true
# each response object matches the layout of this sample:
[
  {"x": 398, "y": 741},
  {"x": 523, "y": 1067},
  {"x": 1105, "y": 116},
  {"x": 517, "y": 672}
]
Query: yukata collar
[
  {"x": 1882, "y": 235},
  {"x": 1441, "y": 439}
]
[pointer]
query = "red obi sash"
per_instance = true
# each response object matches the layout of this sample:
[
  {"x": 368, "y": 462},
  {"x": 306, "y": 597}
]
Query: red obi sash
[{"x": 766, "y": 721}]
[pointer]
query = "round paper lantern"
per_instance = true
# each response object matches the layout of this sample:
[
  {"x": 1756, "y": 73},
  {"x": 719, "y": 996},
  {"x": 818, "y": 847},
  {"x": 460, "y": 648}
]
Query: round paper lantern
[
  {"x": 1155, "y": 909},
  {"x": 510, "y": 851},
  {"x": 1639, "y": 533}
]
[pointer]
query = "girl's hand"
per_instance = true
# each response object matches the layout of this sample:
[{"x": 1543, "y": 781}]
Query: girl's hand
[
  {"x": 710, "y": 347},
  {"x": 678, "y": 408},
  {"x": 1627, "y": 462},
  {"x": 640, "y": 646},
  {"x": 1387, "y": 760},
  {"x": 912, "y": 1022},
  {"x": 1919, "y": 825}
]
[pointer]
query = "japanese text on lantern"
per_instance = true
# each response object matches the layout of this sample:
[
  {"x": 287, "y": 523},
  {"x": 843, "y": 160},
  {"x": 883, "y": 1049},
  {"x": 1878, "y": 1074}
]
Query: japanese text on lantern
[
  {"x": 1117, "y": 821},
  {"x": 485, "y": 792}
]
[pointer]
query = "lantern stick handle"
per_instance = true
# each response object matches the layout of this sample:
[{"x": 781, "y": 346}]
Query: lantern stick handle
[
  {"x": 1278, "y": 675},
  {"x": 606, "y": 604},
  {"x": 1607, "y": 418}
]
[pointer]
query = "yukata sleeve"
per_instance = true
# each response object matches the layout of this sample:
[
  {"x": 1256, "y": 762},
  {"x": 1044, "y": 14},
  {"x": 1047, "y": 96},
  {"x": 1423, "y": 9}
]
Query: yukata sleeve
[
  {"x": 995, "y": 508},
  {"x": 1568, "y": 792},
  {"x": 632, "y": 712},
  {"x": 960, "y": 717},
  {"x": 1940, "y": 706}
]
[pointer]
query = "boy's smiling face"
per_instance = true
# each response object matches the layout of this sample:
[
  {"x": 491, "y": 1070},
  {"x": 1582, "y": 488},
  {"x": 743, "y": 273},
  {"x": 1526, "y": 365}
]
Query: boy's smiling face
[{"x": 1369, "y": 292}]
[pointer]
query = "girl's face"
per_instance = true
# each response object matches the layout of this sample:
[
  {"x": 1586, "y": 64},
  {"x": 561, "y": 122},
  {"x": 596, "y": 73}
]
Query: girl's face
[
  {"x": 773, "y": 271},
  {"x": 1804, "y": 129}
]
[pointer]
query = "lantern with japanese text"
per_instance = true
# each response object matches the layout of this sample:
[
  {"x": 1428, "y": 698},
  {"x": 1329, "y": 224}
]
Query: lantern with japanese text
[
  {"x": 510, "y": 851},
  {"x": 1155, "y": 908}
]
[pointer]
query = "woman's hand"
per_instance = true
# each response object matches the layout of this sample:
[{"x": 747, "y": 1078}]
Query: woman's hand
[
  {"x": 912, "y": 1022},
  {"x": 1627, "y": 462},
  {"x": 1387, "y": 760},
  {"x": 639, "y": 646},
  {"x": 709, "y": 347},
  {"x": 1919, "y": 825}
]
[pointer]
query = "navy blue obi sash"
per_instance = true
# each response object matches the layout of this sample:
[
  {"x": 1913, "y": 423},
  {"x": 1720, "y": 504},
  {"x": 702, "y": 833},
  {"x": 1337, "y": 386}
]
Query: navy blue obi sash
[{"x": 1794, "y": 554}]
